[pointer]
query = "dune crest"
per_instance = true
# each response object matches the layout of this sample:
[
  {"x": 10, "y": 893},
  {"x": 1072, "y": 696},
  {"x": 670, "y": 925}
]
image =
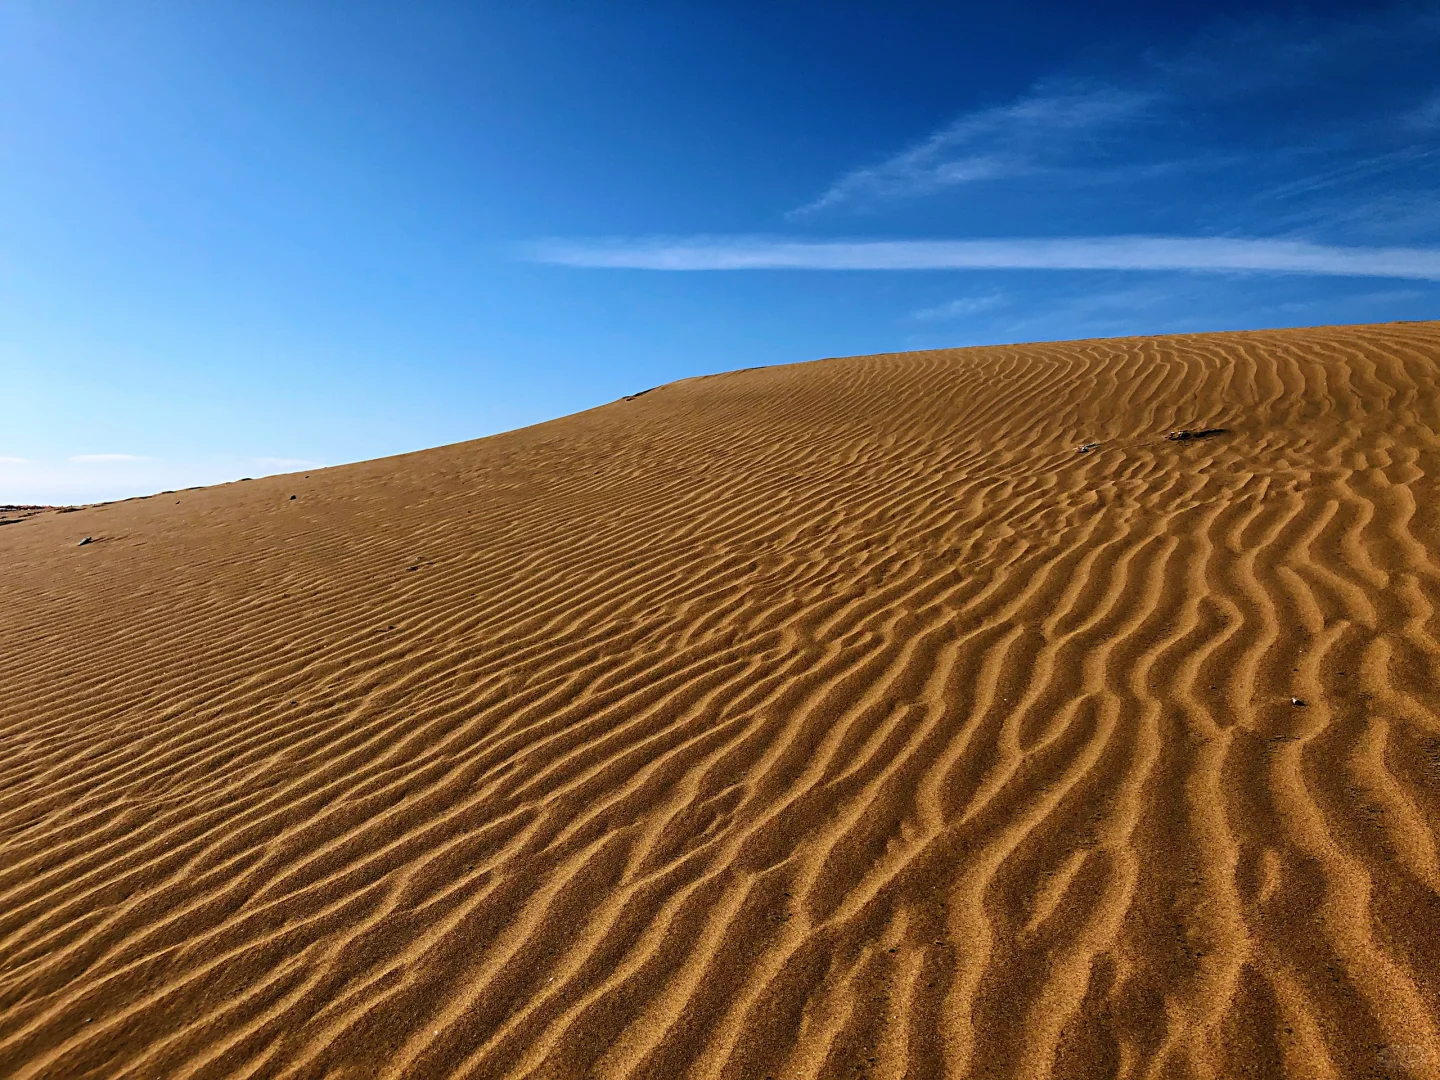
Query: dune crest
[{"x": 921, "y": 715}]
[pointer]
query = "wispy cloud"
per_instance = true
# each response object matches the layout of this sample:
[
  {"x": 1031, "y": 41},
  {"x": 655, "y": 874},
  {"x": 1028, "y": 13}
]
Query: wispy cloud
[
  {"x": 962, "y": 308},
  {"x": 1195, "y": 110},
  {"x": 1376, "y": 298},
  {"x": 6, "y": 460},
  {"x": 91, "y": 459},
  {"x": 1426, "y": 115},
  {"x": 1213, "y": 254},
  {"x": 1025, "y": 136}
]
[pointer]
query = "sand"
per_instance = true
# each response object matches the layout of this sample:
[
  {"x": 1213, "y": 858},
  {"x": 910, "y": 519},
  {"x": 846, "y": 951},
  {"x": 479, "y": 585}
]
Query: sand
[{"x": 832, "y": 720}]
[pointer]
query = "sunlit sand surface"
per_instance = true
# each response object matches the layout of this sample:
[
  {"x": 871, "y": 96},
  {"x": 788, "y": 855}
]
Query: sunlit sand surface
[{"x": 835, "y": 720}]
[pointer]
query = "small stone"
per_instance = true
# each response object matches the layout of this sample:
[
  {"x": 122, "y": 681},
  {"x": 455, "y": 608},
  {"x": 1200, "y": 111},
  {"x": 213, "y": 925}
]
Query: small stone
[
  {"x": 1299, "y": 703},
  {"x": 87, "y": 540}
]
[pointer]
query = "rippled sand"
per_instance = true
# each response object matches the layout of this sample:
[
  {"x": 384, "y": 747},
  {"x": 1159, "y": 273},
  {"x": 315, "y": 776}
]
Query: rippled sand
[{"x": 833, "y": 720}]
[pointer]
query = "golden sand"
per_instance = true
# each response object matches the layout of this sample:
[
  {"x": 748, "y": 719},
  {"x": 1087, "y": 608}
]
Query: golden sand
[{"x": 833, "y": 720}]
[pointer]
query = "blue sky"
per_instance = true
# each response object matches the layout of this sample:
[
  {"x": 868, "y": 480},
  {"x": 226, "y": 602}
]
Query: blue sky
[{"x": 242, "y": 238}]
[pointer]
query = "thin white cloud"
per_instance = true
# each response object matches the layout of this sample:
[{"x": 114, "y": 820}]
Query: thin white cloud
[
  {"x": 989, "y": 144},
  {"x": 1211, "y": 254},
  {"x": 962, "y": 308},
  {"x": 6, "y": 460},
  {"x": 1426, "y": 115},
  {"x": 91, "y": 459},
  {"x": 1161, "y": 115}
]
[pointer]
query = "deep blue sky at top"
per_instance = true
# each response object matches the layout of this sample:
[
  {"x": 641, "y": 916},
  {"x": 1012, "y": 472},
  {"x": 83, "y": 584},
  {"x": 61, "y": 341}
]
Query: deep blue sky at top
[{"x": 247, "y": 237}]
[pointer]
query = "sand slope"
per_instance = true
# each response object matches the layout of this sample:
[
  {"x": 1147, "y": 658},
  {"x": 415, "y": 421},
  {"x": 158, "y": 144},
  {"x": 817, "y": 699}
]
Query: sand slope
[{"x": 822, "y": 721}]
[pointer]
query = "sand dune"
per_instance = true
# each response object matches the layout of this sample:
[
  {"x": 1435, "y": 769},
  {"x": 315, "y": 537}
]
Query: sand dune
[{"x": 833, "y": 720}]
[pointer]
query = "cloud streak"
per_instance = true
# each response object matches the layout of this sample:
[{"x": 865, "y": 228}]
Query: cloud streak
[
  {"x": 1026, "y": 136},
  {"x": 1199, "y": 254},
  {"x": 1425, "y": 116},
  {"x": 1183, "y": 112},
  {"x": 962, "y": 308},
  {"x": 93, "y": 459}
]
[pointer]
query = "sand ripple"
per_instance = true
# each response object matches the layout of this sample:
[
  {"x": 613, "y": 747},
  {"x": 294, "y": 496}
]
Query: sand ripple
[{"x": 821, "y": 721}]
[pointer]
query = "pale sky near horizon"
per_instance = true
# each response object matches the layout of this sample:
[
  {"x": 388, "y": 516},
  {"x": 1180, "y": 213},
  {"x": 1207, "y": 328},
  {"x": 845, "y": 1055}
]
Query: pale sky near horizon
[{"x": 246, "y": 238}]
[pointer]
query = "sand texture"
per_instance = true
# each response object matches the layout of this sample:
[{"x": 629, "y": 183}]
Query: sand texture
[{"x": 833, "y": 720}]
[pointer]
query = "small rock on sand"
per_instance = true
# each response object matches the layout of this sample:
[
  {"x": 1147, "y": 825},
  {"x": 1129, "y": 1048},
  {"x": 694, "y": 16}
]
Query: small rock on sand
[{"x": 1189, "y": 434}]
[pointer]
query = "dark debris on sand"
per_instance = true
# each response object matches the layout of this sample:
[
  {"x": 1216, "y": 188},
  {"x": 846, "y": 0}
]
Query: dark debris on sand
[{"x": 1190, "y": 434}]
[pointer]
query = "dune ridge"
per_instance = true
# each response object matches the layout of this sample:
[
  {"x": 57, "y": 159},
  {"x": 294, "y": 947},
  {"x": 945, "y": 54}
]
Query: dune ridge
[{"x": 837, "y": 719}]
